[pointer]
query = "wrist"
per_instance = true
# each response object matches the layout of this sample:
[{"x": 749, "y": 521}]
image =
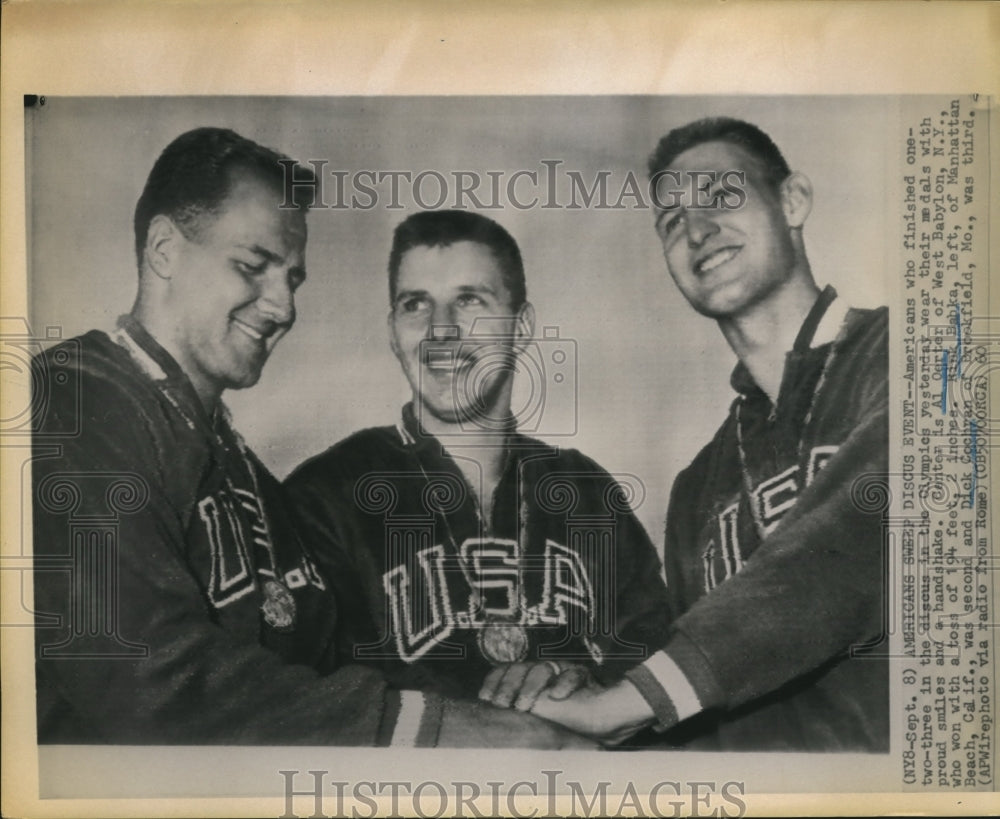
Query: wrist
[
  {"x": 629, "y": 711},
  {"x": 630, "y": 705}
]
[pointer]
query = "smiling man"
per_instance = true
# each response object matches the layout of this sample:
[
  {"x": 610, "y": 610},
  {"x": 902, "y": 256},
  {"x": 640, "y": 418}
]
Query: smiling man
[
  {"x": 774, "y": 568},
  {"x": 466, "y": 555},
  {"x": 176, "y": 602}
]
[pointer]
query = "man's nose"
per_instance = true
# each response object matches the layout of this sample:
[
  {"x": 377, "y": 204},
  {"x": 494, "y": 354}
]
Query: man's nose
[
  {"x": 277, "y": 299},
  {"x": 700, "y": 225},
  {"x": 443, "y": 326}
]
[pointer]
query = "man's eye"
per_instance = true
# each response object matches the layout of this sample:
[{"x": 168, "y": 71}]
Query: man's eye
[
  {"x": 414, "y": 305},
  {"x": 469, "y": 300},
  {"x": 670, "y": 225},
  {"x": 249, "y": 268}
]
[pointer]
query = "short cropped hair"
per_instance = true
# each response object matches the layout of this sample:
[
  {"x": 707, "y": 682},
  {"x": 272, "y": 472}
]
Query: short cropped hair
[
  {"x": 722, "y": 129},
  {"x": 194, "y": 174},
  {"x": 440, "y": 228}
]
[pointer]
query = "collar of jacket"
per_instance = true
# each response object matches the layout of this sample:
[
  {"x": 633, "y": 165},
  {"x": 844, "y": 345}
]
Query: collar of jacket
[
  {"x": 161, "y": 368},
  {"x": 827, "y": 311},
  {"x": 412, "y": 433}
]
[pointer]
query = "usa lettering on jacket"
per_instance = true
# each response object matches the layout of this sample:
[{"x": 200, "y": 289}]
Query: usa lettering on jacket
[
  {"x": 772, "y": 498},
  {"x": 424, "y": 613},
  {"x": 238, "y": 538}
]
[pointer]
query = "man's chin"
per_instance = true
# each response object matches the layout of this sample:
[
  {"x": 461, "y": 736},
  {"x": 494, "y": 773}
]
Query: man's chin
[
  {"x": 459, "y": 407},
  {"x": 463, "y": 419},
  {"x": 442, "y": 413},
  {"x": 245, "y": 379},
  {"x": 721, "y": 303}
]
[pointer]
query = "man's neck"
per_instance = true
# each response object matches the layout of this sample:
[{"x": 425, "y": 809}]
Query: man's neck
[
  {"x": 484, "y": 448},
  {"x": 208, "y": 392},
  {"x": 482, "y": 468},
  {"x": 480, "y": 456},
  {"x": 762, "y": 336}
]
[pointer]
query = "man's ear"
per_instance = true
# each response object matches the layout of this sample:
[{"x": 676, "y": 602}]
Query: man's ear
[
  {"x": 796, "y": 199},
  {"x": 525, "y": 329},
  {"x": 163, "y": 244},
  {"x": 393, "y": 345}
]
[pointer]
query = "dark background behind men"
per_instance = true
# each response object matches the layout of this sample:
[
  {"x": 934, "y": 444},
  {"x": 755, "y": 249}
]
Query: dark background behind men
[{"x": 649, "y": 366}]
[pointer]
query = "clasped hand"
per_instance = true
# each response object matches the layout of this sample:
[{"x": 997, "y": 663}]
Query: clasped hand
[{"x": 568, "y": 694}]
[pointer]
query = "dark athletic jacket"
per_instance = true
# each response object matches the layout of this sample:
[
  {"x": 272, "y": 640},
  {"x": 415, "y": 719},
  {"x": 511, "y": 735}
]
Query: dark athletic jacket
[
  {"x": 396, "y": 527},
  {"x": 771, "y": 633},
  {"x": 153, "y": 530}
]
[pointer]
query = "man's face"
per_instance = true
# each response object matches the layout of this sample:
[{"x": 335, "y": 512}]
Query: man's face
[
  {"x": 454, "y": 332},
  {"x": 724, "y": 260},
  {"x": 231, "y": 294}
]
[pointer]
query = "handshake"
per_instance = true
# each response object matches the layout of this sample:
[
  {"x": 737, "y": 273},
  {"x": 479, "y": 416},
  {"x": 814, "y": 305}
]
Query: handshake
[{"x": 575, "y": 711}]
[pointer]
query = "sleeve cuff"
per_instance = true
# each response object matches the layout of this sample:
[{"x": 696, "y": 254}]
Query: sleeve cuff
[
  {"x": 390, "y": 718},
  {"x": 676, "y": 682},
  {"x": 412, "y": 719},
  {"x": 430, "y": 721},
  {"x": 654, "y": 694},
  {"x": 695, "y": 668},
  {"x": 408, "y": 720}
]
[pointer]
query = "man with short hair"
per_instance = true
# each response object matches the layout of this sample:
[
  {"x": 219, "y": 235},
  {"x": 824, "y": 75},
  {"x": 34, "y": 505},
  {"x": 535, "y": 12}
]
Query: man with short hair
[
  {"x": 469, "y": 556},
  {"x": 176, "y": 602},
  {"x": 774, "y": 569}
]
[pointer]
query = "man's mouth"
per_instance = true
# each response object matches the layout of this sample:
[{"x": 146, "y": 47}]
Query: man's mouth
[
  {"x": 253, "y": 332},
  {"x": 445, "y": 360},
  {"x": 265, "y": 335},
  {"x": 716, "y": 259}
]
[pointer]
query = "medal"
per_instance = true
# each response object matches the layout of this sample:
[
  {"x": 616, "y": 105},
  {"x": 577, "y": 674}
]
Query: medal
[
  {"x": 500, "y": 641},
  {"x": 503, "y": 643},
  {"x": 278, "y": 607}
]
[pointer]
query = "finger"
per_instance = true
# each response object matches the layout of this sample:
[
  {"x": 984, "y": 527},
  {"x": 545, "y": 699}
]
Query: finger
[
  {"x": 547, "y": 708},
  {"x": 510, "y": 684},
  {"x": 536, "y": 680},
  {"x": 570, "y": 681},
  {"x": 569, "y": 712},
  {"x": 491, "y": 682}
]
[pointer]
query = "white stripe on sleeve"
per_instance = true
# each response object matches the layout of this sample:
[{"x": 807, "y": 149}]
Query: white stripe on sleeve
[
  {"x": 411, "y": 711},
  {"x": 669, "y": 675}
]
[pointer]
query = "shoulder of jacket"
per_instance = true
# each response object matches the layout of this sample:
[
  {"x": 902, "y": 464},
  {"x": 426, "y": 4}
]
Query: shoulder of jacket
[
  {"x": 555, "y": 457},
  {"x": 91, "y": 376},
  {"x": 92, "y": 356},
  {"x": 358, "y": 453},
  {"x": 868, "y": 326},
  {"x": 691, "y": 478},
  {"x": 863, "y": 360}
]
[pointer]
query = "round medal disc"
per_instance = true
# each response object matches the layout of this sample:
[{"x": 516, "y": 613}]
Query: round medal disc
[
  {"x": 278, "y": 607},
  {"x": 502, "y": 643}
]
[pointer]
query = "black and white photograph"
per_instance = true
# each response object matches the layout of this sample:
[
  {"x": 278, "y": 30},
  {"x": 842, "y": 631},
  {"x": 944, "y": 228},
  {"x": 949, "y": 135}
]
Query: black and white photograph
[{"x": 637, "y": 444}]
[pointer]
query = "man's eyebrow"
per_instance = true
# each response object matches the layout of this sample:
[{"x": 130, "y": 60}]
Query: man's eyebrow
[
  {"x": 408, "y": 294},
  {"x": 477, "y": 288},
  {"x": 270, "y": 255}
]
